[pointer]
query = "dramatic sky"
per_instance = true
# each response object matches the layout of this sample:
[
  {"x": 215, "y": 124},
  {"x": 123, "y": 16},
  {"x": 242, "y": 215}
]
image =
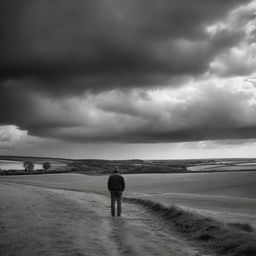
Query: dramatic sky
[{"x": 128, "y": 78}]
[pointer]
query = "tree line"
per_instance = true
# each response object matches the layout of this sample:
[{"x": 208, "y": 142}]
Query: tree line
[{"x": 29, "y": 166}]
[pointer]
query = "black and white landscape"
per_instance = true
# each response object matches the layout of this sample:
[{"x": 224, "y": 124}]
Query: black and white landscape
[{"x": 163, "y": 90}]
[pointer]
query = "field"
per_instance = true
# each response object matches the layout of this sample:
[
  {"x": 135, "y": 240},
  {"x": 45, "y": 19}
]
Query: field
[
  {"x": 228, "y": 195},
  {"x": 132, "y": 166},
  {"x": 222, "y": 165},
  {"x": 70, "y": 208}
]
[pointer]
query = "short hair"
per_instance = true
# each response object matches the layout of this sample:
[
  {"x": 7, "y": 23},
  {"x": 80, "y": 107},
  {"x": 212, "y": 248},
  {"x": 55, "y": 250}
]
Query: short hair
[{"x": 115, "y": 170}]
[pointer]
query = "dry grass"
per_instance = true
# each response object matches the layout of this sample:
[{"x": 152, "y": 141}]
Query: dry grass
[
  {"x": 225, "y": 239},
  {"x": 242, "y": 226}
]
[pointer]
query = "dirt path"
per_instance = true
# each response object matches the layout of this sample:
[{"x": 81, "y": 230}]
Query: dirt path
[{"x": 44, "y": 221}]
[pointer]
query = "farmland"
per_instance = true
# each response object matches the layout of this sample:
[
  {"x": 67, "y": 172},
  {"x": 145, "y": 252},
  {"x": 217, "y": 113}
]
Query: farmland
[
  {"x": 58, "y": 210},
  {"x": 135, "y": 166},
  {"x": 228, "y": 196}
]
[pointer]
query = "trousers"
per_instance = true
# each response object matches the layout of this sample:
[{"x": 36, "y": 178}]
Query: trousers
[{"x": 116, "y": 196}]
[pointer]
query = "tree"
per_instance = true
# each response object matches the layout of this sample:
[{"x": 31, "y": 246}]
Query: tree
[
  {"x": 28, "y": 165},
  {"x": 46, "y": 165}
]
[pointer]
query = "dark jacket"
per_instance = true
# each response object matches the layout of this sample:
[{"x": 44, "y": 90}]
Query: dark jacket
[{"x": 116, "y": 182}]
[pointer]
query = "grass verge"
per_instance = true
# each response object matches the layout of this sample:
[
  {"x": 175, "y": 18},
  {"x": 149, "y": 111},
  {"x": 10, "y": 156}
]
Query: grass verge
[{"x": 233, "y": 239}]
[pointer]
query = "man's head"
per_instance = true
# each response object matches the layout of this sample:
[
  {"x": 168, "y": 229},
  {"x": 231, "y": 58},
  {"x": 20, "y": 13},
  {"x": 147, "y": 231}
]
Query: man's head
[{"x": 115, "y": 170}]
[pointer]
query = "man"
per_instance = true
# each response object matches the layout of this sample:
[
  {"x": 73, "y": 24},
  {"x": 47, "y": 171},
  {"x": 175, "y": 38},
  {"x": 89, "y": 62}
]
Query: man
[{"x": 116, "y": 186}]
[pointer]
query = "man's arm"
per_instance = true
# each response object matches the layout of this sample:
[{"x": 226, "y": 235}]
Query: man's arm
[
  {"x": 109, "y": 183},
  {"x": 123, "y": 182}
]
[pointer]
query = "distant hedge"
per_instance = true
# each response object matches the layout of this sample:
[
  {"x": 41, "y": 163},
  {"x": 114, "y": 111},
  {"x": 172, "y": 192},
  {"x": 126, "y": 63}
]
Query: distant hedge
[{"x": 23, "y": 172}]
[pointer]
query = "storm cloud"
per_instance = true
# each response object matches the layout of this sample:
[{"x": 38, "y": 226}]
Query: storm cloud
[
  {"x": 191, "y": 113},
  {"x": 72, "y": 46},
  {"x": 140, "y": 71}
]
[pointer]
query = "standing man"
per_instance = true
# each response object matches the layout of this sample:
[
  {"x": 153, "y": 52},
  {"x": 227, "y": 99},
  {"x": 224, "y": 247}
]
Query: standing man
[{"x": 116, "y": 186}]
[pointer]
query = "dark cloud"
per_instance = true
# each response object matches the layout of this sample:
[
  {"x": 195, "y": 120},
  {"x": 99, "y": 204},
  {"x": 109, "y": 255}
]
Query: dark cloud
[
  {"x": 101, "y": 44},
  {"x": 205, "y": 112},
  {"x": 30, "y": 110},
  {"x": 88, "y": 71}
]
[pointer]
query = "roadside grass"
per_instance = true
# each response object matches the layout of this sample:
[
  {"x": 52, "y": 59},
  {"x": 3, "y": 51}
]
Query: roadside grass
[
  {"x": 233, "y": 239},
  {"x": 242, "y": 226}
]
